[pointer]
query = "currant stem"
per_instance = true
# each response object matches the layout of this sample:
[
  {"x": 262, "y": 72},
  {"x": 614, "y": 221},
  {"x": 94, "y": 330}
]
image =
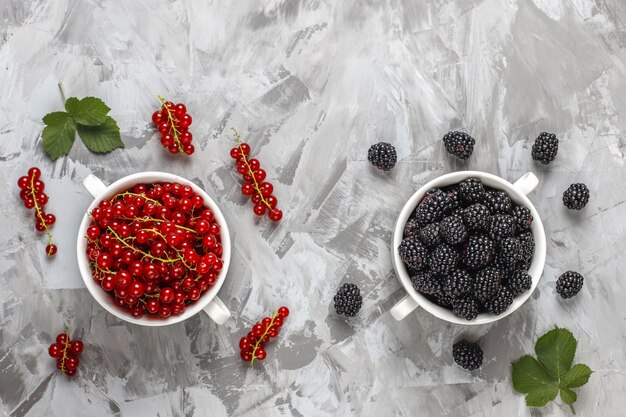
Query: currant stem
[
  {"x": 258, "y": 342},
  {"x": 38, "y": 212},
  {"x": 66, "y": 345},
  {"x": 145, "y": 254},
  {"x": 62, "y": 92},
  {"x": 245, "y": 161},
  {"x": 150, "y": 219},
  {"x": 116, "y": 196},
  {"x": 171, "y": 118}
]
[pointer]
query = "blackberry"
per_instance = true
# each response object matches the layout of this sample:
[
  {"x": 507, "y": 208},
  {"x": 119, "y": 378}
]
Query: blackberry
[
  {"x": 466, "y": 307},
  {"x": 528, "y": 245},
  {"x": 443, "y": 259},
  {"x": 498, "y": 304},
  {"x": 523, "y": 265},
  {"x": 382, "y": 155},
  {"x": 476, "y": 217},
  {"x": 502, "y": 225},
  {"x": 467, "y": 355},
  {"x": 410, "y": 228},
  {"x": 348, "y": 300},
  {"x": 454, "y": 231},
  {"x": 523, "y": 217},
  {"x": 569, "y": 284},
  {"x": 545, "y": 148},
  {"x": 453, "y": 200},
  {"x": 478, "y": 252},
  {"x": 486, "y": 283},
  {"x": 576, "y": 196},
  {"x": 519, "y": 282},
  {"x": 511, "y": 250},
  {"x": 459, "y": 144},
  {"x": 413, "y": 252},
  {"x": 471, "y": 190},
  {"x": 498, "y": 202},
  {"x": 426, "y": 283},
  {"x": 431, "y": 234},
  {"x": 503, "y": 263},
  {"x": 457, "y": 283},
  {"x": 430, "y": 209},
  {"x": 441, "y": 299}
]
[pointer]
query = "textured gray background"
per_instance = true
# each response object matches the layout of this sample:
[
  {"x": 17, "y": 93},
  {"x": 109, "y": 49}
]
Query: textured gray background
[{"x": 311, "y": 86}]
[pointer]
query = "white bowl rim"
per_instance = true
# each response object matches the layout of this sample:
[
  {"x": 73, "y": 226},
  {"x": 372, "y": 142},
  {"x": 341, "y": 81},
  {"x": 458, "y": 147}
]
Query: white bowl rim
[{"x": 493, "y": 181}]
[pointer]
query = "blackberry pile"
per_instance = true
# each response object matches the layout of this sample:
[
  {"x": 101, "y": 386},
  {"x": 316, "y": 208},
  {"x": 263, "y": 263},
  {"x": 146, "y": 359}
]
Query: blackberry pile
[{"x": 468, "y": 248}]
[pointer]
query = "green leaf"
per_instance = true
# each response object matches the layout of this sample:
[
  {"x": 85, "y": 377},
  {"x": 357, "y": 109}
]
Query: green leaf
[
  {"x": 541, "y": 397},
  {"x": 555, "y": 350},
  {"x": 89, "y": 111},
  {"x": 568, "y": 396},
  {"x": 103, "y": 138},
  {"x": 529, "y": 376},
  {"x": 577, "y": 376},
  {"x": 58, "y": 135}
]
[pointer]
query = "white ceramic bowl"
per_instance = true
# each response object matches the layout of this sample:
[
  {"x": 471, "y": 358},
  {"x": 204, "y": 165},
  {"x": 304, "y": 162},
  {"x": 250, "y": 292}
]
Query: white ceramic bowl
[
  {"x": 208, "y": 302},
  {"x": 517, "y": 191}
]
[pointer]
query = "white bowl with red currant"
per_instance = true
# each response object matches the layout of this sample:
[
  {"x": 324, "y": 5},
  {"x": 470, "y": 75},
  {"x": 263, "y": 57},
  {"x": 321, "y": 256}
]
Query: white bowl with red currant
[{"x": 154, "y": 249}]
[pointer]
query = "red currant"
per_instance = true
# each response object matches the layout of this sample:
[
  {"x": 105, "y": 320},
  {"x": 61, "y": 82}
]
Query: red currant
[
  {"x": 283, "y": 312},
  {"x": 76, "y": 346},
  {"x": 51, "y": 249},
  {"x": 55, "y": 350},
  {"x": 275, "y": 215}
]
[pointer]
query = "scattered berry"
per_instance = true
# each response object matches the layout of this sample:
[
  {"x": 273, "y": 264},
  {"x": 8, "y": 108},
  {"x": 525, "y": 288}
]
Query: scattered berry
[
  {"x": 519, "y": 282},
  {"x": 65, "y": 351},
  {"x": 252, "y": 345},
  {"x": 382, "y": 155},
  {"x": 172, "y": 122},
  {"x": 348, "y": 300},
  {"x": 467, "y": 355},
  {"x": 32, "y": 196},
  {"x": 576, "y": 196},
  {"x": 569, "y": 284},
  {"x": 459, "y": 144},
  {"x": 545, "y": 148}
]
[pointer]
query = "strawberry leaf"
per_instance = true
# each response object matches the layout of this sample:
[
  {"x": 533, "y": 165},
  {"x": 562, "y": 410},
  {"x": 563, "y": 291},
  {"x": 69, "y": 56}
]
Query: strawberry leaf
[
  {"x": 103, "y": 138},
  {"x": 59, "y": 134},
  {"x": 555, "y": 350},
  {"x": 89, "y": 111},
  {"x": 577, "y": 376}
]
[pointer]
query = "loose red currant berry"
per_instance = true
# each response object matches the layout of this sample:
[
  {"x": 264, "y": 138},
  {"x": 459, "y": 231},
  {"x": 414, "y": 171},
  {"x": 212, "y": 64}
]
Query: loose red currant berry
[
  {"x": 51, "y": 249},
  {"x": 275, "y": 215},
  {"x": 55, "y": 350},
  {"x": 283, "y": 312},
  {"x": 76, "y": 346}
]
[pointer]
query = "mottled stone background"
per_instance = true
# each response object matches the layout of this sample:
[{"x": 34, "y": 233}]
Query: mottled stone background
[{"x": 311, "y": 85}]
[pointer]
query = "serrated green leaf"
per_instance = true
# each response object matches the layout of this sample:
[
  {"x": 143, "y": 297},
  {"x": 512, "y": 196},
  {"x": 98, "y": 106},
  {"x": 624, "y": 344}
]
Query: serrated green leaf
[
  {"x": 555, "y": 350},
  {"x": 58, "y": 135},
  {"x": 103, "y": 138},
  {"x": 541, "y": 397},
  {"x": 568, "y": 396},
  {"x": 577, "y": 376},
  {"x": 89, "y": 111},
  {"x": 529, "y": 375}
]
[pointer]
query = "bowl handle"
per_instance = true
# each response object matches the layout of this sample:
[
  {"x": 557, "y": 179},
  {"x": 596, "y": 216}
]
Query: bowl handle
[
  {"x": 526, "y": 183},
  {"x": 94, "y": 186},
  {"x": 404, "y": 307},
  {"x": 217, "y": 311}
]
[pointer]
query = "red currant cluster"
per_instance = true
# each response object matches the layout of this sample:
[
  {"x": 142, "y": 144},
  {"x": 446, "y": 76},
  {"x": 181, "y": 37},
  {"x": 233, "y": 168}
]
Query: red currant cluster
[
  {"x": 252, "y": 345},
  {"x": 65, "y": 351},
  {"x": 32, "y": 195},
  {"x": 173, "y": 123},
  {"x": 155, "y": 248},
  {"x": 254, "y": 186}
]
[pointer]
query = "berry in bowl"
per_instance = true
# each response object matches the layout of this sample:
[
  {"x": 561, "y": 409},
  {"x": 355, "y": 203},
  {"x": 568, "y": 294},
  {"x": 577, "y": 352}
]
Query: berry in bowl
[
  {"x": 153, "y": 249},
  {"x": 469, "y": 247}
]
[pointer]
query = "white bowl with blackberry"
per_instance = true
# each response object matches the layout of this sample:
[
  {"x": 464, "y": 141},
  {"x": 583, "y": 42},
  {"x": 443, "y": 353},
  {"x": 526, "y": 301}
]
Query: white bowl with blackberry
[{"x": 469, "y": 247}]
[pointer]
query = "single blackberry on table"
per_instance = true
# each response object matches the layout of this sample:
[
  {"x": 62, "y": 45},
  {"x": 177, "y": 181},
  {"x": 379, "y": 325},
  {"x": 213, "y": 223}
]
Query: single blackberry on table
[
  {"x": 459, "y": 144},
  {"x": 430, "y": 209},
  {"x": 518, "y": 282},
  {"x": 500, "y": 301},
  {"x": 457, "y": 283},
  {"x": 471, "y": 190},
  {"x": 426, "y": 283},
  {"x": 382, "y": 155},
  {"x": 511, "y": 250},
  {"x": 569, "y": 284},
  {"x": 348, "y": 300},
  {"x": 443, "y": 259},
  {"x": 523, "y": 217},
  {"x": 576, "y": 196},
  {"x": 502, "y": 225},
  {"x": 477, "y": 218},
  {"x": 486, "y": 283},
  {"x": 431, "y": 234},
  {"x": 413, "y": 252},
  {"x": 466, "y": 307},
  {"x": 478, "y": 252},
  {"x": 467, "y": 355},
  {"x": 454, "y": 231},
  {"x": 411, "y": 228},
  {"x": 498, "y": 202},
  {"x": 545, "y": 148},
  {"x": 528, "y": 245}
]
